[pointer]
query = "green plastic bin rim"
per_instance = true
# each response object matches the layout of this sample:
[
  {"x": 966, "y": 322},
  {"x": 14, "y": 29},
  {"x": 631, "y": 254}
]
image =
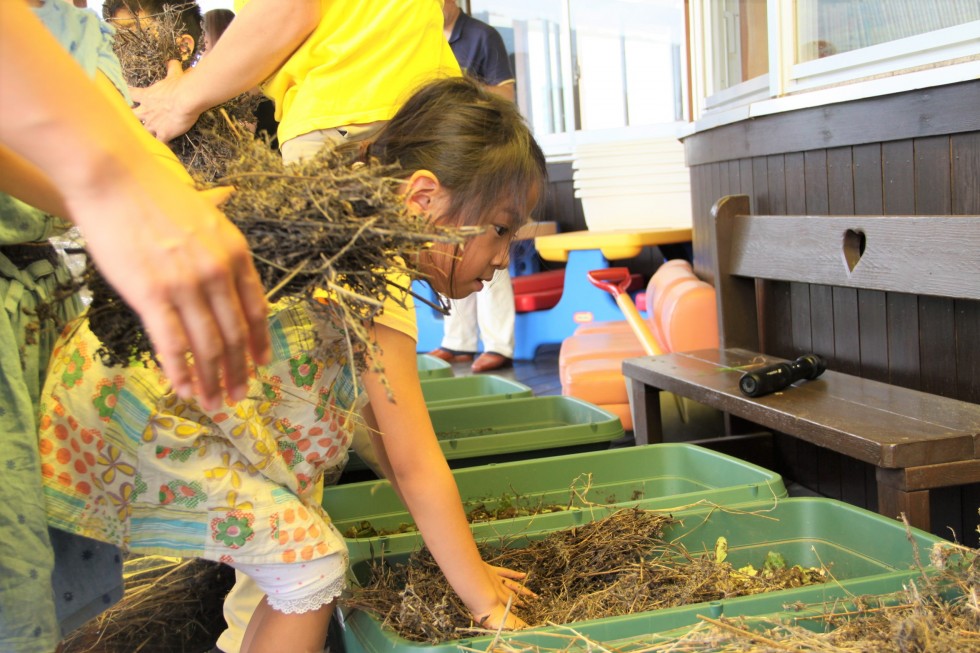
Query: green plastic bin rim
[
  {"x": 721, "y": 479},
  {"x": 479, "y": 388},
  {"x": 430, "y": 367}
]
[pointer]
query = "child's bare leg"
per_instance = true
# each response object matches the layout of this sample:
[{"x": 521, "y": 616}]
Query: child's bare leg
[{"x": 270, "y": 631}]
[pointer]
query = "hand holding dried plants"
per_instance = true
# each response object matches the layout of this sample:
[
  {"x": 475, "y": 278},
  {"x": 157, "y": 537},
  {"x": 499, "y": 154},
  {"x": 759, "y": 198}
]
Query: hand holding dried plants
[{"x": 150, "y": 53}]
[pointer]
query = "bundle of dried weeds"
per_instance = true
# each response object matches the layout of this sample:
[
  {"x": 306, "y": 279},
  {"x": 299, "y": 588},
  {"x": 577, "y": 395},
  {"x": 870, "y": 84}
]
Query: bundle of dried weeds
[
  {"x": 324, "y": 223},
  {"x": 614, "y": 566},
  {"x": 144, "y": 52},
  {"x": 169, "y": 606}
]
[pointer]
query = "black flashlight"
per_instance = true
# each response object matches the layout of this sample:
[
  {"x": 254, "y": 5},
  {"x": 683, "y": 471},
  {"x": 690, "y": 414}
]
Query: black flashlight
[{"x": 773, "y": 378}]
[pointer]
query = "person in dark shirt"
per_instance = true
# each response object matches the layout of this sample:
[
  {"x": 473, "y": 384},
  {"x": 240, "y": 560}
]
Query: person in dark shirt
[{"x": 479, "y": 49}]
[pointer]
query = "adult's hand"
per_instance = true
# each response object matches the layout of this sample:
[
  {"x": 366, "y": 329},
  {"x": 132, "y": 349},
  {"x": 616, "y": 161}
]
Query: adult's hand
[
  {"x": 178, "y": 262},
  {"x": 164, "y": 108},
  {"x": 187, "y": 272},
  {"x": 264, "y": 34}
]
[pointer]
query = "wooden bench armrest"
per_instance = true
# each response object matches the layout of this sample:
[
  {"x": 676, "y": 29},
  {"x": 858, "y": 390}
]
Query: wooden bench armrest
[{"x": 885, "y": 425}]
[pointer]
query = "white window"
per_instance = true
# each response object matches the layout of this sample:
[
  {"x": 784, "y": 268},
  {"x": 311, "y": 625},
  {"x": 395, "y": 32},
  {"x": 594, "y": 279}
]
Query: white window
[{"x": 593, "y": 66}]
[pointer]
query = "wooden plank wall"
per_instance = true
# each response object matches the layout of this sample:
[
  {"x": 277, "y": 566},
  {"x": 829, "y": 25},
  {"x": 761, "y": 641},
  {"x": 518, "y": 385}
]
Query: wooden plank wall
[{"x": 919, "y": 342}]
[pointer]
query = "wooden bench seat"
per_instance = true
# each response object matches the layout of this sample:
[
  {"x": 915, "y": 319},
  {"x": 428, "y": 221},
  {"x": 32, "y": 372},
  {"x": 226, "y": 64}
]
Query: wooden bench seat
[{"x": 917, "y": 441}]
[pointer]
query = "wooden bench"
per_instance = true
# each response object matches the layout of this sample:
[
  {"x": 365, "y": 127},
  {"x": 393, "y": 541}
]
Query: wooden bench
[{"x": 917, "y": 441}]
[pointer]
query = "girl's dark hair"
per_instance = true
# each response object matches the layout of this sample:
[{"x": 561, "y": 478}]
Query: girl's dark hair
[
  {"x": 216, "y": 21},
  {"x": 476, "y": 143}
]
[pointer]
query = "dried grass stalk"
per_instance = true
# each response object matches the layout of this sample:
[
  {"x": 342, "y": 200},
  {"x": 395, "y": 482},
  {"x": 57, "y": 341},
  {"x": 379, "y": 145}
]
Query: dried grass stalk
[{"x": 324, "y": 223}]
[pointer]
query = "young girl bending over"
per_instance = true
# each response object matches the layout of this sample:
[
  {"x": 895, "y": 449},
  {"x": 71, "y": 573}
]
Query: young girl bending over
[{"x": 125, "y": 460}]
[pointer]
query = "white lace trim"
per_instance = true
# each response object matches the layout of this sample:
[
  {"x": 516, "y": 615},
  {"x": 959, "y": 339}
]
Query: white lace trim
[{"x": 309, "y": 603}]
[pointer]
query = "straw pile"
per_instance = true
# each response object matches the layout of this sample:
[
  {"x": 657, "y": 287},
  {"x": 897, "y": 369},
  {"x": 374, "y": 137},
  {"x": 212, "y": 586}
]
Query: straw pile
[
  {"x": 937, "y": 613},
  {"x": 614, "y": 566},
  {"x": 169, "y": 606},
  {"x": 593, "y": 571},
  {"x": 323, "y": 223}
]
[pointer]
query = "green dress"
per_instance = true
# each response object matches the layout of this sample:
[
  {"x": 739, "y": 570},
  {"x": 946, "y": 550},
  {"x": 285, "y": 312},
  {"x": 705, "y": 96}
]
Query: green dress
[
  {"x": 50, "y": 582},
  {"x": 27, "y": 277}
]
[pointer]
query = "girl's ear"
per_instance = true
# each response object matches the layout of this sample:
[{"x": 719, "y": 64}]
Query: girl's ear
[{"x": 422, "y": 191}]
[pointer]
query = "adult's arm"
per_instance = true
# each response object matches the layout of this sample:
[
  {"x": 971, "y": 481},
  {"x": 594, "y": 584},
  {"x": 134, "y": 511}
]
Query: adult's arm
[
  {"x": 256, "y": 44},
  {"x": 182, "y": 266}
]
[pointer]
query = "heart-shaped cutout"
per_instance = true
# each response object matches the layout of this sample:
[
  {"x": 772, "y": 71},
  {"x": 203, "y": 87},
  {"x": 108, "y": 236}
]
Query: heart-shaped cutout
[{"x": 854, "y": 243}]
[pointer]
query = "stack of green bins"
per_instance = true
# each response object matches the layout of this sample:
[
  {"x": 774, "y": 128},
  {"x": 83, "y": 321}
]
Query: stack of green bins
[
  {"x": 431, "y": 367},
  {"x": 456, "y": 391},
  {"x": 444, "y": 391},
  {"x": 867, "y": 555},
  {"x": 517, "y": 429},
  {"x": 661, "y": 476}
]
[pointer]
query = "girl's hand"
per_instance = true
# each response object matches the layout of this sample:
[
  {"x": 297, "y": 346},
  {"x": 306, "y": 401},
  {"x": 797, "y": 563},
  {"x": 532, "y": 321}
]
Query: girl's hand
[
  {"x": 508, "y": 585},
  {"x": 499, "y": 618}
]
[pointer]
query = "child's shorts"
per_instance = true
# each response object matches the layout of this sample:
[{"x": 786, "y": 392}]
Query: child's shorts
[{"x": 300, "y": 586}]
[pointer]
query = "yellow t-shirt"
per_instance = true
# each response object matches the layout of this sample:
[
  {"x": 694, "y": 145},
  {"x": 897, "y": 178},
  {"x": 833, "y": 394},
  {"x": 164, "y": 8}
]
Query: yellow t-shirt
[{"x": 361, "y": 63}]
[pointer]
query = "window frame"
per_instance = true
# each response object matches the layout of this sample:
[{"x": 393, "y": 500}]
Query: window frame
[{"x": 560, "y": 146}]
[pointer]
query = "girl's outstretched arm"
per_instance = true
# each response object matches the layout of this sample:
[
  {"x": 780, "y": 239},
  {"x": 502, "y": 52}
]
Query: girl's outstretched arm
[{"x": 418, "y": 470}]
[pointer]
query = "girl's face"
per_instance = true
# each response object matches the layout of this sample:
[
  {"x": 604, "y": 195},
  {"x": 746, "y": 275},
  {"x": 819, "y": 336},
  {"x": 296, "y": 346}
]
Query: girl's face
[
  {"x": 481, "y": 256},
  {"x": 458, "y": 271}
]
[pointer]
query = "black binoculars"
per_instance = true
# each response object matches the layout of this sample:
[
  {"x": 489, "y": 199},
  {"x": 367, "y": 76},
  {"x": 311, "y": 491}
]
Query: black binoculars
[{"x": 773, "y": 378}]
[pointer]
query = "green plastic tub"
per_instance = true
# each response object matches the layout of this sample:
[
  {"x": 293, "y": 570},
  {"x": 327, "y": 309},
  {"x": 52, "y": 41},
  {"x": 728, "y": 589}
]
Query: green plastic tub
[
  {"x": 431, "y": 367},
  {"x": 461, "y": 390},
  {"x": 656, "y": 476},
  {"x": 867, "y": 554},
  {"x": 517, "y": 429}
]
